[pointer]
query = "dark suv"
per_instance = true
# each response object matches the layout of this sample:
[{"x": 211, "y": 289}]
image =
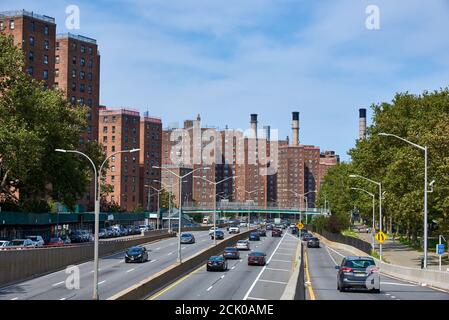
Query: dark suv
[
  {"x": 276, "y": 232},
  {"x": 358, "y": 272}
]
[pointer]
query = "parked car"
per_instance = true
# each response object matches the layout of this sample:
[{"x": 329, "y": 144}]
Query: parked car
[
  {"x": 231, "y": 253},
  {"x": 21, "y": 243},
  {"x": 262, "y": 232},
  {"x": 56, "y": 242},
  {"x": 242, "y": 245},
  {"x": 102, "y": 233},
  {"x": 136, "y": 254},
  {"x": 358, "y": 272},
  {"x": 187, "y": 238},
  {"x": 256, "y": 258},
  {"x": 254, "y": 236},
  {"x": 38, "y": 240},
  {"x": 276, "y": 232},
  {"x": 243, "y": 224},
  {"x": 76, "y": 236},
  {"x": 110, "y": 233},
  {"x": 234, "y": 229},
  {"x": 218, "y": 234},
  {"x": 216, "y": 263},
  {"x": 313, "y": 242},
  {"x": 269, "y": 226},
  {"x": 4, "y": 243}
]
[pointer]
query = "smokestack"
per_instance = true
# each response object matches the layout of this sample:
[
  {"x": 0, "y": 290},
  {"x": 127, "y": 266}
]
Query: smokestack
[
  {"x": 295, "y": 128},
  {"x": 362, "y": 123},
  {"x": 254, "y": 124},
  {"x": 267, "y": 132}
]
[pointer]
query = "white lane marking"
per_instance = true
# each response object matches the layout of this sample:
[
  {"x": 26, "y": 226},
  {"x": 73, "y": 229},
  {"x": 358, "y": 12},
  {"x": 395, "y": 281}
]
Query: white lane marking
[
  {"x": 130, "y": 270},
  {"x": 387, "y": 294},
  {"x": 277, "y": 260},
  {"x": 15, "y": 298},
  {"x": 121, "y": 261},
  {"x": 284, "y": 254},
  {"x": 157, "y": 249},
  {"x": 253, "y": 298},
  {"x": 222, "y": 276},
  {"x": 62, "y": 299},
  {"x": 333, "y": 260},
  {"x": 274, "y": 269},
  {"x": 393, "y": 297},
  {"x": 102, "y": 282},
  {"x": 399, "y": 284},
  {"x": 271, "y": 281},
  {"x": 57, "y": 284},
  {"x": 94, "y": 270},
  {"x": 170, "y": 253},
  {"x": 233, "y": 268},
  {"x": 151, "y": 261},
  {"x": 210, "y": 288},
  {"x": 263, "y": 269}
]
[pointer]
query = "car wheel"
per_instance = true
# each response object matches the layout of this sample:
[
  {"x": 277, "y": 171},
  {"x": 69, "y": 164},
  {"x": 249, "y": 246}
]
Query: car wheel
[
  {"x": 207, "y": 268},
  {"x": 375, "y": 290}
]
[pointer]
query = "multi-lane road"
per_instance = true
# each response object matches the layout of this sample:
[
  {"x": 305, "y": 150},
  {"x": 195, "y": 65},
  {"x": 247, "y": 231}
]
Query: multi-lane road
[
  {"x": 114, "y": 274},
  {"x": 240, "y": 281},
  {"x": 322, "y": 276}
]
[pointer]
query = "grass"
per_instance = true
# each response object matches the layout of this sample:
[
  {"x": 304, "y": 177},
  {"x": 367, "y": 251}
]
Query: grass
[
  {"x": 376, "y": 255},
  {"x": 350, "y": 233}
]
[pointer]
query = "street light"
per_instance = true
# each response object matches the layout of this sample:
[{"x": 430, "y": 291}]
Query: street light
[
  {"x": 250, "y": 192},
  {"x": 158, "y": 203},
  {"x": 215, "y": 198},
  {"x": 299, "y": 196},
  {"x": 180, "y": 178},
  {"x": 382, "y": 134},
  {"x": 97, "y": 177},
  {"x": 372, "y": 195},
  {"x": 379, "y": 184},
  {"x": 165, "y": 185}
]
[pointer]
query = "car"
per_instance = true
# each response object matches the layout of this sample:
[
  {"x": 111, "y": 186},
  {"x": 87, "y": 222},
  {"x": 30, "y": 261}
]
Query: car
[
  {"x": 242, "y": 245},
  {"x": 295, "y": 230},
  {"x": 269, "y": 226},
  {"x": 4, "y": 243},
  {"x": 218, "y": 234},
  {"x": 211, "y": 230},
  {"x": 358, "y": 272},
  {"x": 22, "y": 243},
  {"x": 216, "y": 263},
  {"x": 56, "y": 242},
  {"x": 76, "y": 236},
  {"x": 257, "y": 258},
  {"x": 243, "y": 224},
  {"x": 292, "y": 225},
  {"x": 313, "y": 242},
  {"x": 136, "y": 254},
  {"x": 38, "y": 240},
  {"x": 144, "y": 228},
  {"x": 187, "y": 238},
  {"x": 276, "y": 232},
  {"x": 102, "y": 233},
  {"x": 234, "y": 229},
  {"x": 110, "y": 233},
  {"x": 306, "y": 236},
  {"x": 254, "y": 236},
  {"x": 262, "y": 232},
  {"x": 231, "y": 253}
]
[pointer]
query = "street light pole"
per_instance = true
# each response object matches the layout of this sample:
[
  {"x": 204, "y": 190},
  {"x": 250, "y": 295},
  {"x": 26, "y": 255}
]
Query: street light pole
[
  {"x": 424, "y": 148},
  {"x": 374, "y": 204}
]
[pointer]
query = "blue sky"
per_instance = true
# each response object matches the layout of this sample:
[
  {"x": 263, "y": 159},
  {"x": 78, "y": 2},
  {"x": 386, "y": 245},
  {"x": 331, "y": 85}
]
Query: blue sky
[{"x": 226, "y": 59}]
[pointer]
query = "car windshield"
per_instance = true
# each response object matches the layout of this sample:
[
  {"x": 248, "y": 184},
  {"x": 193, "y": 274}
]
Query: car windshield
[
  {"x": 256, "y": 254},
  {"x": 359, "y": 264},
  {"x": 216, "y": 258},
  {"x": 254, "y": 234},
  {"x": 186, "y": 235},
  {"x": 17, "y": 242},
  {"x": 135, "y": 250},
  {"x": 313, "y": 239},
  {"x": 230, "y": 249},
  {"x": 241, "y": 241},
  {"x": 33, "y": 238}
]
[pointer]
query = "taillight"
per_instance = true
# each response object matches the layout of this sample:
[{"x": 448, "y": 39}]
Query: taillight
[{"x": 346, "y": 269}]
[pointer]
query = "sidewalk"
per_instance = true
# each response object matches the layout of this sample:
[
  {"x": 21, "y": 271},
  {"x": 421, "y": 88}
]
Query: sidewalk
[{"x": 397, "y": 253}]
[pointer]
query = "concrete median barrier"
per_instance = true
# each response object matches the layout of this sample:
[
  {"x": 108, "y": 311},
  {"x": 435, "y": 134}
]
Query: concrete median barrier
[
  {"x": 169, "y": 275},
  {"x": 20, "y": 265}
]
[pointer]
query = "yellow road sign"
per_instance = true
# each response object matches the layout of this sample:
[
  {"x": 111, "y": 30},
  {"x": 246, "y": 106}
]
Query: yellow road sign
[
  {"x": 381, "y": 237},
  {"x": 300, "y": 225}
]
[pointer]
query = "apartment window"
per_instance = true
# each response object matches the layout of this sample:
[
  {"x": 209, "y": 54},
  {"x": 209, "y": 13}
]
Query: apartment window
[
  {"x": 113, "y": 138},
  {"x": 125, "y": 158},
  {"x": 105, "y": 139},
  {"x": 73, "y": 86},
  {"x": 83, "y": 49},
  {"x": 89, "y": 102},
  {"x": 73, "y": 73},
  {"x": 89, "y": 89},
  {"x": 2, "y": 25},
  {"x": 82, "y": 87},
  {"x": 82, "y": 75},
  {"x": 89, "y": 76},
  {"x": 90, "y": 63},
  {"x": 56, "y": 72},
  {"x": 46, "y": 30},
  {"x": 83, "y": 62},
  {"x": 73, "y": 46},
  {"x": 11, "y": 24},
  {"x": 90, "y": 50},
  {"x": 113, "y": 177},
  {"x": 45, "y": 74},
  {"x": 74, "y": 60},
  {"x": 31, "y": 41},
  {"x": 113, "y": 149},
  {"x": 32, "y": 26},
  {"x": 105, "y": 129},
  {"x": 46, "y": 45},
  {"x": 89, "y": 116},
  {"x": 113, "y": 129},
  {"x": 113, "y": 168},
  {"x": 30, "y": 71},
  {"x": 45, "y": 59},
  {"x": 31, "y": 56},
  {"x": 81, "y": 100},
  {"x": 72, "y": 99}
]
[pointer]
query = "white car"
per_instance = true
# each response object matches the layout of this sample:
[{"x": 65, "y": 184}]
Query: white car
[
  {"x": 37, "y": 240},
  {"x": 243, "y": 224},
  {"x": 211, "y": 230},
  {"x": 242, "y": 245},
  {"x": 4, "y": 243},
  {"x": 234, "y": 229}
]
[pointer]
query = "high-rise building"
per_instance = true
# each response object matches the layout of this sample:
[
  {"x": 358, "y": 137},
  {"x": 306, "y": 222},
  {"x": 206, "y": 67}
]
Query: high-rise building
[
  {"x": 35, "y": 34},
  {"x": 77, "y": 72},
  {"x": 120, "y": 130},
  {"x": 328, "y": 159}
]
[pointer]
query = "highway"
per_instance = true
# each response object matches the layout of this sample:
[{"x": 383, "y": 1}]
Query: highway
[
  {"x": 321, "y": 264},
  {"x": 240, "y": 281},
  {"x": 114, "y": 274}
]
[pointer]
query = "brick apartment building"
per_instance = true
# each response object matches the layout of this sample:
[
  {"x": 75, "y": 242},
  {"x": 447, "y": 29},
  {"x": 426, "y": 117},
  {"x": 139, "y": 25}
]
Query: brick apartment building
[
  {"x": 35, "y": 34},
  {"x": 328, "y": 159}
]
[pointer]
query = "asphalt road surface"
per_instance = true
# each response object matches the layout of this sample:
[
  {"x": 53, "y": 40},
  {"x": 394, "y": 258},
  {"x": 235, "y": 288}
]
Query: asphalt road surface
[
  {"x": 323, "y": 279},
  {"x": 114, "y": 274},
  {"x": 240, "y": 281}
]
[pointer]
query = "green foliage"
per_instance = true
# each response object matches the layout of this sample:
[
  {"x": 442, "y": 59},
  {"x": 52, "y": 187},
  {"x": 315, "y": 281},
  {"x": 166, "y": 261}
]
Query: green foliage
[
  {"x": 165, "y": 198},
  {"x": 138, "y": 209}
]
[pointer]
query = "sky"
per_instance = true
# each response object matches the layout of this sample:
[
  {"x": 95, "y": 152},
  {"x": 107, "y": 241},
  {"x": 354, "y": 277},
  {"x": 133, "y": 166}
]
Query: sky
[{"x": 226, "y": 59}]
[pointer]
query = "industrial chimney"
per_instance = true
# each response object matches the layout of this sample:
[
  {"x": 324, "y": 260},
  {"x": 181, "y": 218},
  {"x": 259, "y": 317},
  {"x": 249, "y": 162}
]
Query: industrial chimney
[
  {"x": 295, "y": 128},
  {"x": 362, "y": 123},
  {"x": 254, "y": 124}
]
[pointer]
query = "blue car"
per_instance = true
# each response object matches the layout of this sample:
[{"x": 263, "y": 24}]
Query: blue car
[
  {"x": 254, "y": 236},
  {"x": 218, "y": 233}
]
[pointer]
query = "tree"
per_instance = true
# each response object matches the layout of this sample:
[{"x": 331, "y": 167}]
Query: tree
[
  {"x": 165, "y": 198},
  {"x": 33, "y": 122}
]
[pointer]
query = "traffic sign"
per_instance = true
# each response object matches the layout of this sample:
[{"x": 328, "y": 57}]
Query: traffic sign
[
  {"x": 440, "y": 249},
  {"x": 300, "y": 225},
  {"x": 381, "y": 237}
]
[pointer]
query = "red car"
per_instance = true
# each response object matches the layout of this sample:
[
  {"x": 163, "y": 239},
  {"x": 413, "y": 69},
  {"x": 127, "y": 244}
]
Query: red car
[
  {"x": 256, "y": 258},
  {"x": 276, "y": 233},
  {"x": 56, "y": 242}
]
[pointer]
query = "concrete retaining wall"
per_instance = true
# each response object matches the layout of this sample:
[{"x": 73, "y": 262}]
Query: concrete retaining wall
[
  {"x": 20, "y": 265},
  {"x": 152, "y": 284}
]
